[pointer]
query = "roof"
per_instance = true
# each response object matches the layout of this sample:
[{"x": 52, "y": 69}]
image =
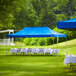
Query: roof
[
  {"x": 36, "y": 32},
  {"x": 67, "y": 24}
]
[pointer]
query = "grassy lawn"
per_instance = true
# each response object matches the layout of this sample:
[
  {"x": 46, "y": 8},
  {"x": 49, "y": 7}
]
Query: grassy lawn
[{"x": 19, "y": 65}]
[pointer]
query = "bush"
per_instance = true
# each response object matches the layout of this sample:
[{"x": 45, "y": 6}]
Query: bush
[
  {"x": 38, "y": 41},
  {"x": 71, "y": 34},
  {"x": 41, "y": 41},
  {"x": 26, "y": 41},
  {"x": 33, "y": 41}
]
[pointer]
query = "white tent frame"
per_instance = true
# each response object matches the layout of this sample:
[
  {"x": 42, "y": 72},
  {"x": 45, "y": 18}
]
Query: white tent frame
[{"x": 3, "y": 31}]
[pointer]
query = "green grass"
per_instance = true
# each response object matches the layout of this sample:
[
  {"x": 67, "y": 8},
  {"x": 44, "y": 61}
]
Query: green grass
[{"x": 19, "y": 65}]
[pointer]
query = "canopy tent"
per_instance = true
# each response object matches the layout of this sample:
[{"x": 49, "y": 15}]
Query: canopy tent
[
  {"x": 36, "y": 32},
  {"x": 67, "y": 24}
]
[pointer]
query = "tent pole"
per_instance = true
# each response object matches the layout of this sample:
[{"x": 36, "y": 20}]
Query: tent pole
[
  {"x": 6, "y": 46},
  {"x": 29, "y": 43},
  {"x": 53, "y": 42},
  {"x": 9, "y": 38},
  {"x": 13, "y": 39},
  {"x": 66, "y": 44},
  {"x": 22, "y": 43},
  {"x": 57, "y": 49}
]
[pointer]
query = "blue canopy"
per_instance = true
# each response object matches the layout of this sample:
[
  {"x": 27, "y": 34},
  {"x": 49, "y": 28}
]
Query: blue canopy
[
  {"x": 67, "y": 24},
  {"x": 36, "y": 32}
]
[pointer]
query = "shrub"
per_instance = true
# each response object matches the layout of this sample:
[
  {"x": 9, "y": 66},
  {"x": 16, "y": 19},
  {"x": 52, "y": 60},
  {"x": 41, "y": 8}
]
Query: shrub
[{"x": 26, "y": 41}]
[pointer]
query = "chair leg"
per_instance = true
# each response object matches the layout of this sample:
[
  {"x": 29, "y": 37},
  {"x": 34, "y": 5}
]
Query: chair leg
[{"x": 23, "y": 53}]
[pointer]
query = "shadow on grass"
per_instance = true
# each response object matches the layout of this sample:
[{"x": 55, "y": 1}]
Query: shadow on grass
[{"x": 34, "y": 55}]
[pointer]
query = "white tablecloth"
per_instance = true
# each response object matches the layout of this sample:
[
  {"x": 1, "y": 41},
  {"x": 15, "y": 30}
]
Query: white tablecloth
[{"x": 70, "y": 59}]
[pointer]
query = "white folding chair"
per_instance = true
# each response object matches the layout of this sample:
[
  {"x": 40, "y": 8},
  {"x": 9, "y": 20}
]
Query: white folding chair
[
  {"x": 50, "y": 50},
  {"x": 45, "y": 50},
  {"x": 58, "y": 50},
  {"x": 29, "y": 50},
  {"x": 42, "y": 51},
  {"x": 55, "y": 51},
  {"x": 37, "y": 50},
  {"x": 33, "y": 50},
  {"x": 18, "y": 50},
  {"x": 23, "y": 50},
  {"x": 13, "y": 50}
]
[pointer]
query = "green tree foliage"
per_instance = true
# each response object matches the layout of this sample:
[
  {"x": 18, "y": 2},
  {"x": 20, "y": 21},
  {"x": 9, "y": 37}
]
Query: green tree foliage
[
  {"x": 45, "y": 16},
  {"x": 17, "y": 14},
  {"x": 6, "y": 13},
  {"x": 29, "y": 13},
  {"x": 64, "y": 7},
  {"x": 48, "y": 19},
  {"x": 34, "y": 13},
  {"x": 26, "y": 17}
]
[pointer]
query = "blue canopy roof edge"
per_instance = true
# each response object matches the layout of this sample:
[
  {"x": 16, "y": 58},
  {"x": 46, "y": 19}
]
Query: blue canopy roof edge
[
  {"x": 67, "y": 24},
  {"x": 60, "y": 35},
  {"x": 36, "y": 32}
]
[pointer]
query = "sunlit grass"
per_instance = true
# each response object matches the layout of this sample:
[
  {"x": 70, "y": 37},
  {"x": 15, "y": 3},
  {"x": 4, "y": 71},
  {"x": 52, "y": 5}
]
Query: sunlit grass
[{"x": 19, "y": 65}]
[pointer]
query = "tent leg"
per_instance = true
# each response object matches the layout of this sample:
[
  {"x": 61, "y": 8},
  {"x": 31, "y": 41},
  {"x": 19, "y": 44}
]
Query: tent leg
[
  {"x": 6, "y": 46},
  {"x": 66, "y": 45},
  {"x": 29, "y": 43},
  {"x": 57, "y": 49},
  {"x": 9, "y": 38},
  {"x": 53, "y": 42}
]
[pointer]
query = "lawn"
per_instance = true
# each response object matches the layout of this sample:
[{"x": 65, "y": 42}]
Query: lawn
[{"x": 19, "y": 65}]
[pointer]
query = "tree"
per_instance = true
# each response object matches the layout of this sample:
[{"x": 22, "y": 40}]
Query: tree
[
  {"x": 26, "y": 17},
  {"x": 45, "y": 16},
  {"x": 6, "y": 13}
]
